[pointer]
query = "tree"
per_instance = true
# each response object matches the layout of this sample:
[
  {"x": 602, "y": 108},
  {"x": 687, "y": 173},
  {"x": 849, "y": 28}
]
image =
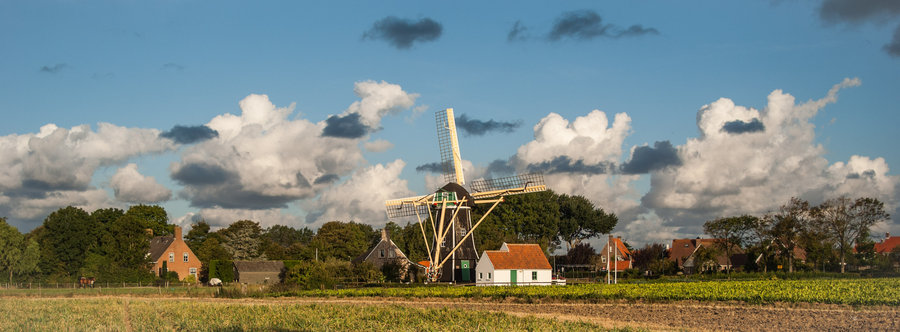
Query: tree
[
  {"x": 532, "y": 218},
  {"x": 343, "y": 240},
  {"x": 787, "y": 225},
  {"x": 581, "y": 254},
  {"x": 69, "y": 234},
  {"x": 645, "y": 257},
  {"x": 197, "y": 235},
  {"x": 127, "y": 244},
  {"x": 242, "y": 239},
  {"x": 152, "y": 217},
  {"x": 731, "y": 233},
  {"x": 580, "y": 220},
  {"x": 11, "y": 253},
  {"x": 286, "y": 236},
  {"x": 846, "y": 219}
]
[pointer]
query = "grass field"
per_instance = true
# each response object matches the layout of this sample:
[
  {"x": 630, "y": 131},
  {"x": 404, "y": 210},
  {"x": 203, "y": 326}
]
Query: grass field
[
  {"x": 112, "y": 291},
  {"x": 144, "y": 314},
  {"x": 884, "y": 291}
]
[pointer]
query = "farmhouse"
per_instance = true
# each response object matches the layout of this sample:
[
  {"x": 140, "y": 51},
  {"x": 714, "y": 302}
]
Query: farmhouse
[
  {"x": 172, "y": 251},
  {"x": 385, "y": 252},
  {"x": 683, "y": 254},
  {"x": 618, "y": 255},
  {"x": 888, "y": 245},
  {"x": 513, "y": 264},
  {"x": 258, "y": 272}
]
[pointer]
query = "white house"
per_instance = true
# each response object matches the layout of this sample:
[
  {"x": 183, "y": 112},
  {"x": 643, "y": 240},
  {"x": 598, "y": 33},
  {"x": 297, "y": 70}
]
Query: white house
[{"x": 513, "y": 264}]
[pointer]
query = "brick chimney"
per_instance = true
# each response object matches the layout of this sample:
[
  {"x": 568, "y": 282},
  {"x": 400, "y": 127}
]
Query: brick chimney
[
  {"x": 178, "y": 233},
  {"x": 384, "y": 235}
]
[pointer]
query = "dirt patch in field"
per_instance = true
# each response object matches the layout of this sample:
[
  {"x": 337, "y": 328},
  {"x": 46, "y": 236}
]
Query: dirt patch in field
[{"x": 681, "y": 315}]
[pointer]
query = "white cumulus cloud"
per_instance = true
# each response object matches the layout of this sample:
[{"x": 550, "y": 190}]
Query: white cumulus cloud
[{"x": 131, "y": 186}]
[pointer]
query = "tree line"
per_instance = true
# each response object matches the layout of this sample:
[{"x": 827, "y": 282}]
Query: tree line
[
  {"x": 829, "y": 236},
  {"x": 112, "y": 244}
]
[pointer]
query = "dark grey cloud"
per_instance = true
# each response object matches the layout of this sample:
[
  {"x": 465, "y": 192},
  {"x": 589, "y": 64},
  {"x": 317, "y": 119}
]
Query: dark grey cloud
[
  {"x": 402, "y": 33},
  {"x": 501, "y": 167},
  {"x": 893, "y": 48},
  {"x": 478, "y": 127},
  {"x": 201, "y": 174},
  {"x": 869, "y": 174},
  {"x": 434, "y": 167},
  {"x": 518, "y": 32},
  {"x": 54, "y": 69},
  {"x": 347, "y": 126},
  {"x": 233, "y": 196},
  {"x": 564, "y": 164},
  {"x": 190, "y": 134},
  {"x": 327, "y": 178},
  {"x": 645, "y": 159},
  {"x": 862, "y": 11},
  {"x": 740, "y": 127},
  {"x": 858, "y": 11},
  {"x": 587, "y": 25}
]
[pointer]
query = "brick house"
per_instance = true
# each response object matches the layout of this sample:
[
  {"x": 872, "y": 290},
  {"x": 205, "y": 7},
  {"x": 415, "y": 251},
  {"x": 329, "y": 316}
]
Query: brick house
[
  {"x": 513, "y": 264},
  {"x": 618, "y": 254},
  {"x": 172, "y": 250}
]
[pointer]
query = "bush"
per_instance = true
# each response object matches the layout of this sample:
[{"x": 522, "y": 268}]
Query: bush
[{"x": 222, "y": 269}]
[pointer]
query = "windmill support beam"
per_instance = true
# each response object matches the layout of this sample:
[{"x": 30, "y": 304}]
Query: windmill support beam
[{"x": 469, "y": 233}]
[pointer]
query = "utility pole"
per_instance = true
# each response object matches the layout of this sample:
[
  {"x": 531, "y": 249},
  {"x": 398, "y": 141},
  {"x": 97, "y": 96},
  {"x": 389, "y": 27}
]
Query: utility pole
[{"x": 608, "y": 250}]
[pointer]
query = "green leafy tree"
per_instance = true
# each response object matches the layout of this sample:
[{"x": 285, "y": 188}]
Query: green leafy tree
[
  {"x": 127, "y": 244},
  {"x": 645, "y": 257},
  {"x": 343, "y": 240},
  {"x": 11, "y": 243},
  {"x": 533, "y": 218},
  {"x": 580, "y": 220},
  {"x": 242, "y": 240},
  {"x": 286, "y": 236},
  {"x": 198, "y": 234},
  {"x": 845, "y": 220},
  {"x": 69, "y": 234},
  {"x": 152, "y": 217},
  {"x": 731, "y": 233}
]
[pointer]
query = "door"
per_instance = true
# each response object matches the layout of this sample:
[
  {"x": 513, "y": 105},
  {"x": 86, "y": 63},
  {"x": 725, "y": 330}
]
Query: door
[
  {"x": 512, "y": 277},
  {"x": 464, "y": 266}
]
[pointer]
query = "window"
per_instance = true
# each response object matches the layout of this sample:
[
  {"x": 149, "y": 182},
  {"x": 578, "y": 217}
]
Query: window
[
  {"x": 489, "y": 275},
  {"x": 185, "y": 256},
  {"x": 172, "y": 257},
  {"x": 480, "y": 275},
  {"x": 194, "y": 272},
  {"x": 533, "y": 275},
  {"x": 382, "y": 253}
]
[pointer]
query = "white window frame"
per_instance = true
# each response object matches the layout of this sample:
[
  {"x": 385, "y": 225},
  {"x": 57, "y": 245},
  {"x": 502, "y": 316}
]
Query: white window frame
[
  {"x": 534, "y": 275},
  {"x": 185, "y": 256},
  {"x": 193, "y": 271},
  {"x": 171, "y": 257}
]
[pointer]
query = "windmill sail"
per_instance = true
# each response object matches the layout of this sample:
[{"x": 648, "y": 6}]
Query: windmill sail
[
  {"x": 450, "y": 158},
  {"x": 511, "y": 185}
]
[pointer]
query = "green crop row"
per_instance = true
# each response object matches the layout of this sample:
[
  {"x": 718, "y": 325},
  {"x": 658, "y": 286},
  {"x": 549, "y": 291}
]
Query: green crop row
[
  {"x": 840, "y": 291},
  {"x": 116, "y": 314}
]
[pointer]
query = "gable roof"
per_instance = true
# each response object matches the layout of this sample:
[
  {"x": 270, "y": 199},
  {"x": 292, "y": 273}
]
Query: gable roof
[
  {"x": 259, "y": 266},
  {"x": 620, "y": 247},
  {"x": 385, "y": 242},
  {"x": 158, "y": 246},
  {"x": 887, "y": 245},
  {"x": 518, "y": 256}
]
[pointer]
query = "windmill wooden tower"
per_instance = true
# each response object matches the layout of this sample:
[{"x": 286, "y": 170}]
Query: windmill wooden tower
[{"x": 448, "y": 211}]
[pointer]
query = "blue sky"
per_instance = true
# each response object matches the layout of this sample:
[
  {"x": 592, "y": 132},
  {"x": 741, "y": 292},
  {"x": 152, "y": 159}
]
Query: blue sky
[{"x": 153, "y": 66}]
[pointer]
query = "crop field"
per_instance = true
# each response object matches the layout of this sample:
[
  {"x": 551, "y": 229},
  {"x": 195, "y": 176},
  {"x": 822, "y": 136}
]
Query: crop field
[
  {"x": 833, "y": 291},
  {"x": 116, "y": 314}
]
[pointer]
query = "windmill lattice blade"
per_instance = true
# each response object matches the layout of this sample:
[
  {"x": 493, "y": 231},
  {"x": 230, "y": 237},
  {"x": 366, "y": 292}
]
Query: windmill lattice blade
[
  {"x": 406, "y": 207},
  {"x": 511, "y": 182},
  {"x": 449, "y": 145}
]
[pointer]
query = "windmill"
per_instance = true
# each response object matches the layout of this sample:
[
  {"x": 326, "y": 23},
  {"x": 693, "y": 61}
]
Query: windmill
[{"x": 452, "y": 255}]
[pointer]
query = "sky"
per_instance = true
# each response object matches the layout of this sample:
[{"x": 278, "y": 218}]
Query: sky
[{"x": 667, "y": 114}]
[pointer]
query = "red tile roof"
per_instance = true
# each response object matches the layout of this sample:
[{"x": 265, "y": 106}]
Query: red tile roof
[
  {"x": 618, "y": 266},
  {"x": 519, "y": 256},
  {"x": 887, "y": 245}
]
